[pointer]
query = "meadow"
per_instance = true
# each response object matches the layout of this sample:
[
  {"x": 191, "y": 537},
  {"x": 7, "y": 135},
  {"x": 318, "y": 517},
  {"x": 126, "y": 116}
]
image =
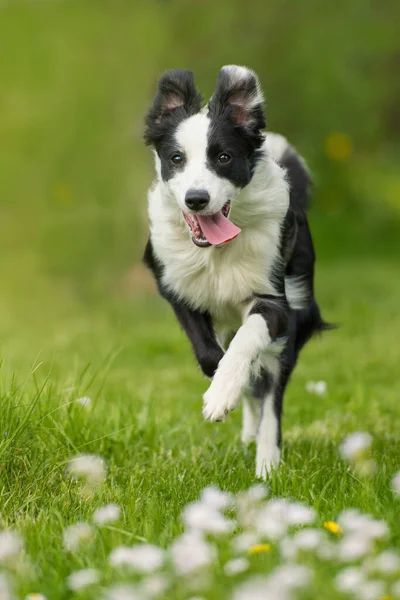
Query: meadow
[{"x": 80, "y": 318}]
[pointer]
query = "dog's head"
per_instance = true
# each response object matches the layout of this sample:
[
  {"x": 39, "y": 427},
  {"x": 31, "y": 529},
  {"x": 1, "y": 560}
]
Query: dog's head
[{"x": 206, "y": 156}]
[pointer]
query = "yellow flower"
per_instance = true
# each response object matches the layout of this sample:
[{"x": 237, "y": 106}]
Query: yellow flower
[
  {"x": 338, "y": 146},
  {"x": 386, "y": 597},
  {"x": 333, "y": 527},
  {"x": 259, "y": 548}
]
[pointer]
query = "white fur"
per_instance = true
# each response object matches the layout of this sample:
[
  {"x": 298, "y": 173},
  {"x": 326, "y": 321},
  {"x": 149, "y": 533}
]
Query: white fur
[
  {"x": 236, "y": 74},
  {"x": 191, "y": 138},
  {"x": 297, "y": 292},
  {"x": 223, "y": 280},
  {"x": 220, "y": 280},
  {"x": 235, "y": 368},
  {"x": 276, "y": 145},
  {"x": 251, "y": 419},
  {"x": 268, "y": 453}
]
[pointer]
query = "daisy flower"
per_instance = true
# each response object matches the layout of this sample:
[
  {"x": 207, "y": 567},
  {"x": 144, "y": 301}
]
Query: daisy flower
[
  {"x": 11, "y": 545},
  {"x": 106, "y": 514},
  {"x": 89, "y": 468},
  {"x": 78, "y": 580},
  {"x": 355, "y": 445},
  {"x": 142, "y": 558},
  {"x": 236, "y": 566},
  {"x": 76, "y": 535}
]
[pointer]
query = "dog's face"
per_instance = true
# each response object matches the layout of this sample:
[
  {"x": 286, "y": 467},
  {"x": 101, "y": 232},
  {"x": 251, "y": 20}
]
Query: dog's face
[{"x": 206, "y": 156}]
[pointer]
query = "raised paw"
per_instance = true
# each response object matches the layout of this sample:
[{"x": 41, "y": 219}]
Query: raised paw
[{"x": 218, "y": 403}]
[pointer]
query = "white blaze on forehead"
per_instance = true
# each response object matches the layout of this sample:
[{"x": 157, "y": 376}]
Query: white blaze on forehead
[{"x": 192, "y": 138}]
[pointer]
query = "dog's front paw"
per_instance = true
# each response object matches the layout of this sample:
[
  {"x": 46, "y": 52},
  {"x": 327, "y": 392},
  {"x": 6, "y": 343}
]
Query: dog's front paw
[{"x": 219, "y": 401}]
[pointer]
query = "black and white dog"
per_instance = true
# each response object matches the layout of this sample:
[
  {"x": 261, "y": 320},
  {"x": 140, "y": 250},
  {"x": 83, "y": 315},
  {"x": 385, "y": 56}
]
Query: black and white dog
[{"x": 230, "y": 246}]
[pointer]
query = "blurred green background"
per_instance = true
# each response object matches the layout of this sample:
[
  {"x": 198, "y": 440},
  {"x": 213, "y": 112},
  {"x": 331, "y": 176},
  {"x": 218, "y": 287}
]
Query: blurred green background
[{"x": 76, "y": 77}]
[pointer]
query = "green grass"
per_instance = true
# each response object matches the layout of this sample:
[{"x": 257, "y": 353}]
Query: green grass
[
  {"x": 77, "y": 317},
  {"x": 133, "y": 361}
]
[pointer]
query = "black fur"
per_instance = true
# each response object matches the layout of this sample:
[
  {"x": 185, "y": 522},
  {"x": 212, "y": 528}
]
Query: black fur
[
  {"x": 177, "y": 99},
  {"x": 196, "y": 324},
  {"x": 235, "y": 128}
]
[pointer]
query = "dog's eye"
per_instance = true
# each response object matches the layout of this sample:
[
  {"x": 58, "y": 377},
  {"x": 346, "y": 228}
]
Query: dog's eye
[
  {"x": 177, "y": 159},
  {"x": 224, "y": 158}
]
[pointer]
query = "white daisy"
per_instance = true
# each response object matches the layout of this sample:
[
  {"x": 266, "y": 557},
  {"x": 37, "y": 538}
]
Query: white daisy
[
  {"x": 154, "y": 585},
  {"x": 84, "y": 401},
  {"x": 350, "y": 579},
  {"x": 76, "y": 535},
  {"x": 78, "y": 580},
  {"x": 317, "y": 387},
  {"x": 202, "y": 517},
  {"x": 243, "y": 541},
  {"x": 308, "y": 539},
  {"x": 271, "y": 527},
  {"x": 106, "y": 514},
  {"x": 371, "y": 590},
  {"x": 236, "y": 566},
  {"x": 396, "y": 483},
  {"x": 32, "y": 596},
  {"x": 257, "y": 588},
  {"x": 11, "y": 545},
  {"x": 89, "y": 468},
  {"x": 191, "y": 552},
  {"x": 5, "y": 588},
  {"x": 142, "y": 558},
  {"x": 291, "y": 577},
  {"x": 353, "y": 521},
  {"x": 353, "y": 547},
  {"x": 215, "y": 498},
  {"x": 385, "y": 563},
  {"x": 298, "y": 514},
  {"x": 248, "y": 504},
  {"x": 327, "y": 551},
  {"x": 355, "y": 445}
]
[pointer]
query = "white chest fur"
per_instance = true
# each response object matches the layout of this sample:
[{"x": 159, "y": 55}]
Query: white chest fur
[{"x": 221, "y": 280}]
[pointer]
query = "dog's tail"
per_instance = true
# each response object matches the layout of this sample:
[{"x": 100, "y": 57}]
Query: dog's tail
[{"x": 297, "y": 173}]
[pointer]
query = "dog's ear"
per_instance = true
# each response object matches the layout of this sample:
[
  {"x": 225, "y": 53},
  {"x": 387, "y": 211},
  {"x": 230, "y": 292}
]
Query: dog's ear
[
  {"x": 176, "y": 98},
  {"x": 238, "y": 93}
]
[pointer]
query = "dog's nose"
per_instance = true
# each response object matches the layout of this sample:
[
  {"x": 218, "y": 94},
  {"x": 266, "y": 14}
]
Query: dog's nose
[{"x": 197, "y": 199}]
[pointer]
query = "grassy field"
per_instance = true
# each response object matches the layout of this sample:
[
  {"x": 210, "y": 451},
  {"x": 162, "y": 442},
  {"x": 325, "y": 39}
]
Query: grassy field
[
  {"x": 145, "y": 420},
  {"x": 80, "y": 317}
]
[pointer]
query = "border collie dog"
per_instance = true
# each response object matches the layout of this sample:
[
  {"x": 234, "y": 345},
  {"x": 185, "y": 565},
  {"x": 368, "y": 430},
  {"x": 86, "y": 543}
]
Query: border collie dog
[{"x": 230, "y": 246}]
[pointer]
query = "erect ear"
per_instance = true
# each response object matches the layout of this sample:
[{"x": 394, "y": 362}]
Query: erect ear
[
  {"x": 238, "y": 92},
  {"x": 176, "y": 97}
]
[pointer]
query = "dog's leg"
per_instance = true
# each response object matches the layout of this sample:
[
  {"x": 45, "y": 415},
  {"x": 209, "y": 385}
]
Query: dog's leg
[
  {"x": 234, "y": 369},
  {"x": 199, "y": 328},
  {"x": 266, "y": 320},
  {"x": 269, "y": 436},
  {"x": 251, "y": 418}
]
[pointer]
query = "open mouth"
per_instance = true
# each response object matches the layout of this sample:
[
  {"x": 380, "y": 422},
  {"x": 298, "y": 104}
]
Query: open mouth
[{"x": 212, "y": 230}]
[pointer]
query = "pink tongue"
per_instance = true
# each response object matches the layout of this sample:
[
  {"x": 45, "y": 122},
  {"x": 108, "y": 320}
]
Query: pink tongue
[{"x": 217, "y": 229}]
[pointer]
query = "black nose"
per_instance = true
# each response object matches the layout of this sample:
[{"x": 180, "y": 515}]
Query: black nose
[{"x": 197, "y": 199}]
